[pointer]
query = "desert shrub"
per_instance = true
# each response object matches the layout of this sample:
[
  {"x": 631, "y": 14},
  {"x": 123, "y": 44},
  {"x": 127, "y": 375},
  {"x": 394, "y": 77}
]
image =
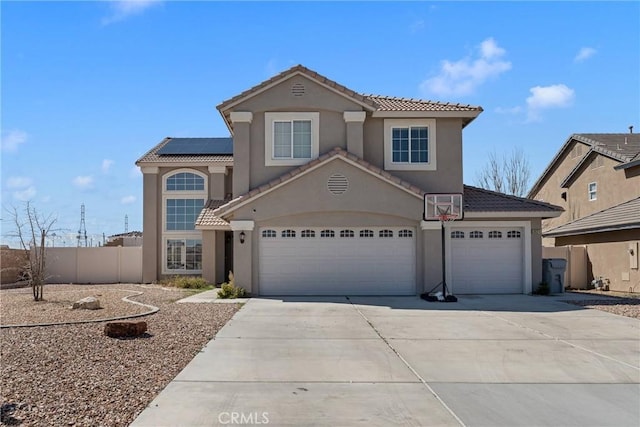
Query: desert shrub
[
  {"x": 230, "y": 290},
  {"x": 186, "y": 282}
]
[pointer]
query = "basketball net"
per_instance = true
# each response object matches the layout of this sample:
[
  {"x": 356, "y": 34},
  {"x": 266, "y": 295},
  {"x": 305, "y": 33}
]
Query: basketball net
[{"x": 444, "y": 213}]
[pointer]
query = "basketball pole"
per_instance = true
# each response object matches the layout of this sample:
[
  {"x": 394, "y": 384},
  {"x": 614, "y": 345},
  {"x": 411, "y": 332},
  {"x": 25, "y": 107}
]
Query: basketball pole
[{"x": 444, "y": 272}]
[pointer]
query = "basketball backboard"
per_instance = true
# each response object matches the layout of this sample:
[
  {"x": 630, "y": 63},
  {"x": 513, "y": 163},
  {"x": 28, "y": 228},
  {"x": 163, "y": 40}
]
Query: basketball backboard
[{"x": 439, "y": 206}]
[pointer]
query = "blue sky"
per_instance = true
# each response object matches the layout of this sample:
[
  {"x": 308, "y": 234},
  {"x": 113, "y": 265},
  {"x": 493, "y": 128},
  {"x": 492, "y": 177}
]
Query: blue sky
[{"x": 88, "y": 87}]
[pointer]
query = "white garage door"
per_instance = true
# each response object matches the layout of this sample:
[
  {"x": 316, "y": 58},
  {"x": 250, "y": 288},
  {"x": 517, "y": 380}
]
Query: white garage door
[
  {"x": 486, "y": 260},
  {"x": 337, "y": 261}
]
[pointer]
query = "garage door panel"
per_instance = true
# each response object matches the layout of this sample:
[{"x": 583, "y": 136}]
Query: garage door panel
[
  {"x": 487, "y": 265},
  {"x": 337, "y": 265}
]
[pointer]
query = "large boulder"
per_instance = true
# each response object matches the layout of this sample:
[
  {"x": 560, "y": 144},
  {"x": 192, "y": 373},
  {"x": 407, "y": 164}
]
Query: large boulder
[
  {"x": 125, "y": 329},
  {"x": 88, "y": 303}
]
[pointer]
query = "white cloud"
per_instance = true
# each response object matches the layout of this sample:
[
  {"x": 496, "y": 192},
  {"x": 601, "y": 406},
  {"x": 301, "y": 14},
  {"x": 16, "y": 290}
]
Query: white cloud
[
  {"x": 462, "y": 77},
  {"x": 16, "y": 182},
  {"x": 544, "y": 97},
  {"x": 584, "y": 54},
  {"x": 26, "y": 194},
  {"x": 123, "y": 9},
  {"x": 12, "y": 139},
  {"x": 106, "y": 165},
  {"x": 127, "y": 200},
  {"x": 83, "y": 182}
]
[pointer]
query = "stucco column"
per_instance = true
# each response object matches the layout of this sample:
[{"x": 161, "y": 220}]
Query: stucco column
[
  {"x": 241, "y": 151},
  {"x": 216, "y": 182},
  {"x": 151, "y": 214},
  {"x": 209, "y": 255},
  {"x": 242, "y": 253},
  {"x": 355, "y": 138},
  {"x": 432, "y": 254}
]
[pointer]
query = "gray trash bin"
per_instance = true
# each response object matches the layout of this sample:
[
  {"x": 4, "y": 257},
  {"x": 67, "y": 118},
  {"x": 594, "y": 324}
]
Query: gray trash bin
[{"x": 553, "y": 273}]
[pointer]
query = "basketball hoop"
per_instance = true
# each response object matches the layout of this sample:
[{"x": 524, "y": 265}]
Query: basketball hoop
[{"x": 444, "y": 213}]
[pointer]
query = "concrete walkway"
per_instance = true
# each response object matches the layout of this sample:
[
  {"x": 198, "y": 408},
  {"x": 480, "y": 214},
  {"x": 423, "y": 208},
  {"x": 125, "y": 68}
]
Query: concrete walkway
[{"x": 371, "y": 361}]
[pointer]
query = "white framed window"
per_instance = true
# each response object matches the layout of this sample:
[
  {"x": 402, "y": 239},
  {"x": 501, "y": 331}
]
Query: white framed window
[
  {"x": 269, "y": 234},
  {"x": 385, "y": 233},
  {"x": 366, "y": 233},
  {"x": 593, "y": 191},
  {"x": 475, "y": 234},
  {"x": 513, "y": 234},
  {"x": 184, "y": 193},
  {"x": 307, "y": 233},
  {"x": 410, "y": 144},
  {"x": 327, "y": 233},
  {"x": 347, "y": 233},
  {"x": 288, "y": 233},
  {"x": 291, "y": 138},
  {"x": 457, "y": 234},
  {"x": 183, "y": 256},
  {"x": 405, "y": 233},
  {"x": 494, "y": 234}
]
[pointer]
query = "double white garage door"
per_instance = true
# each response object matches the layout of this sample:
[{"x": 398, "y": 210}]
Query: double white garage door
[
  {"x": 381, "y": 260},
  {"x": 337, "y": 261},
  {"x": 487, "y": 260}
]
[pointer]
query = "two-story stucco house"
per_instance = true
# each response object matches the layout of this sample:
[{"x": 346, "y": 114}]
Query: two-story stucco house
[
  {"x": 320, "y": 191},
  {"x": 596, "y": 179}
]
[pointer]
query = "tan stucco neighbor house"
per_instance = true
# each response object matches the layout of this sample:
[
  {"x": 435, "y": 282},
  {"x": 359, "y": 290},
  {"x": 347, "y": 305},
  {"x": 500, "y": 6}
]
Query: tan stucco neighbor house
[
  {"x": 596, "y": 179},
  {"x": 320, "y": 191}
]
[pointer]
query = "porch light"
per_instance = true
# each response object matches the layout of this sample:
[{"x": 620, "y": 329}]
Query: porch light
[{"x": 242, "y": 237}]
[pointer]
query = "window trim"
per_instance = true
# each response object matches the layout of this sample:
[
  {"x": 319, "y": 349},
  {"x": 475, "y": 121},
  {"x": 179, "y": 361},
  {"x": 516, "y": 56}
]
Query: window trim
[
  {"x": 390, "y": 124},
  {"x": 594, "y": 191},
  {"x": 271, "y": 118},
  {"x": 165, "y": 239}
]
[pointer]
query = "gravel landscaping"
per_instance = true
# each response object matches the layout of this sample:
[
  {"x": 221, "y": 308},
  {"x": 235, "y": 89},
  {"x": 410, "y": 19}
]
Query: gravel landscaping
[
  {"x": 74, "y": 374},
  {"x": 626, "y": 305}
]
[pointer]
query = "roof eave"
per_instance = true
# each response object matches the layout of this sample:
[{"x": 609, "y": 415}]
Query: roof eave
[
  {"x": 512, "y": 214},
  {"x": 538, "y": 184},
  {"x": 628, "y": 165},
  {"x": 592, "y": 230}
]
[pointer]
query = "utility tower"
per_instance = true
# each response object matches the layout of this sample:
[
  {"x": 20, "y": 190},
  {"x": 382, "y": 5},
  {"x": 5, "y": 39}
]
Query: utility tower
[
  {"x": 82, "y": 232},
  {"x": 126, "y": 223}
]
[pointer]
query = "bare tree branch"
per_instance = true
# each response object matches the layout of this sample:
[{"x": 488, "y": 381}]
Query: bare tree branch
[{"x": 508, "y": 175}]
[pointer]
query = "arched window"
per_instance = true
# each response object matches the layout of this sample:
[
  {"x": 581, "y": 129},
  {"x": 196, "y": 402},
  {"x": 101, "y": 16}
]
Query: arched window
[
  {"x": 184, "y": 181},
  {"x": 457, "y": 234},
  {"x": 475, "y": 234},
  {"x": 366, "y": 233},
  {"x": 495, "y": 234},
  {"x": 288, "y": 233},
  {"x": 307, "y": 233},
  {"x": 269, "y": 233},
  {"x": 513, "y": 234},
  {"x": 327, "y": 233},
  {"x": 347, "y": 233},
  {"x": 385, "y": 233},
  {"x": 405, "y": 233}
]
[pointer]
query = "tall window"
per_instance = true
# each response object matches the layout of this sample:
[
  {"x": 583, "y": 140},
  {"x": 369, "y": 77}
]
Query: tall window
[
  {"x": 184, "y": 196},
  {"x": 593, "y": 191}
]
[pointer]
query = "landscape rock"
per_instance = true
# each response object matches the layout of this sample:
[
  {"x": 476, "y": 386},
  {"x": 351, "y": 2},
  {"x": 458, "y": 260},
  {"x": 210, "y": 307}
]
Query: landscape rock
[
  {"x": 88, "y": 303},
  {"x": 125, "y": 329}
]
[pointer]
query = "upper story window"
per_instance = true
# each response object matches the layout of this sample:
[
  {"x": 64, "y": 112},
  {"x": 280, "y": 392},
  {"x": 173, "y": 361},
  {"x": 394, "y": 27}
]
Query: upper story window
[
  {"x": 184, "y": 196},
  {"x": 291, "y": 138},
  {"x": 184, "y": 181},
  {"x": 593, "y": 191},
  {"x": 410, "y": 144}
]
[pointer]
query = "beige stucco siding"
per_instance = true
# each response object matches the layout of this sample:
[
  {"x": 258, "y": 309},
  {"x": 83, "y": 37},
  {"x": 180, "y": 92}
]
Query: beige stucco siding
[{"x": 608, "y": 256}]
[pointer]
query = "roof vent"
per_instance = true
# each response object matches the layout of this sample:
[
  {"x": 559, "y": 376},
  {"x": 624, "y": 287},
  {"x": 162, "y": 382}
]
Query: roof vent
[
  {"x": 297, "y": 89},
  {"x": 337, "y": 184}
]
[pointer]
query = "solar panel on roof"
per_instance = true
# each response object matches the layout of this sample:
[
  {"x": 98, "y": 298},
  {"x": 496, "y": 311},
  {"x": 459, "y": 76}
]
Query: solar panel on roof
[{"x": 197, "y": 146}]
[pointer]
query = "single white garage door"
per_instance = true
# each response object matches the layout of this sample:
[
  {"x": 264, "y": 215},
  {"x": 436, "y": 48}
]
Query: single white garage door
[
  {"x": 337, "y": 261},
  {"x": 486, "y": 260}
]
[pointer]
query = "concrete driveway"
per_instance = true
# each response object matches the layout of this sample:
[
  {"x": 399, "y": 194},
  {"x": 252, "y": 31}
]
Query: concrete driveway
[{"x": 483, "y": 361}]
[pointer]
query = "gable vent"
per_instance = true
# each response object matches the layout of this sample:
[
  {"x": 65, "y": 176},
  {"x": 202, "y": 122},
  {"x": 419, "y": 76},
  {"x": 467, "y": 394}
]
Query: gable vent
[
  {"x": 337, "y": 184},
  {"x": 297, "y": 89}
]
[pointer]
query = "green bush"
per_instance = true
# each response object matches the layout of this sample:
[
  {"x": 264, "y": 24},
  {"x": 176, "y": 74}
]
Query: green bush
[
  {"x": 543, "y": 289},
  {"x": 230, "y": 290},
  {"x": 186, "y": 282}
]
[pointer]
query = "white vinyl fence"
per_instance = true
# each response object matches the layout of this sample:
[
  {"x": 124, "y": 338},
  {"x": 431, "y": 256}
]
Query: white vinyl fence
[{"x": 94, "y": 265}]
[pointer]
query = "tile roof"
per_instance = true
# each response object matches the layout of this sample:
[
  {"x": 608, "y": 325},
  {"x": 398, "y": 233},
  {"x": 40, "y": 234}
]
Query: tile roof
[
  {"x": 391, "y": 103},
  {"x": 207, "y": 218},
  {"x": 370, "y": 102},
  {"x": 480, "y": 200},
  {"x": 152, "y": 156},
  {"x": 620, "y": 217},
  {"x": 475, "y": 199},
  {"x": 624, "y": 147}
]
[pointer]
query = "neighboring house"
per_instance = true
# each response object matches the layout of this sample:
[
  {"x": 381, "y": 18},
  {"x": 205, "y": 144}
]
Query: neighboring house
[
  {"x": 596, "y": 179},
  {"x": 320, "y": 192},
  {"x": 131, "y": 238}
]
